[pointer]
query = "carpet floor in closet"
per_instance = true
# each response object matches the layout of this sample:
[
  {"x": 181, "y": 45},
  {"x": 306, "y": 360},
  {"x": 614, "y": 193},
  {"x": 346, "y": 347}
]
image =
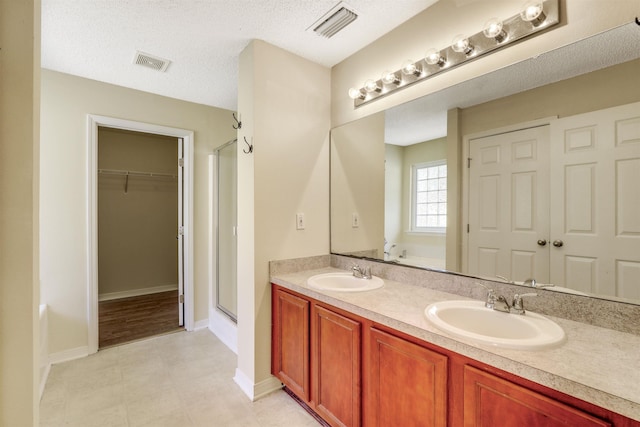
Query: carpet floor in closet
[{"x": 129, "y": 319}]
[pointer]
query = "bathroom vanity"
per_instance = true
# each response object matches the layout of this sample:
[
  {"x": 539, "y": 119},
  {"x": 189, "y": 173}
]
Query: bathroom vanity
[{"x": 373, "y": 359}]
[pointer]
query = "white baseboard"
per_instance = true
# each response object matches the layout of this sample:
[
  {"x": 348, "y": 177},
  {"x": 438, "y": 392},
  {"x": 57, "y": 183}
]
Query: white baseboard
[
  {"x": 201, "y": 324},
  {"x": 45, "y": 364},
  {"x": 245, "y": 384},
  {"x": 44, "y": 375},
  {"x": 256, "y": 391},
  {"x": 136, "y": 292},
  {"x": 224, "y": 328},
  {"x": 265, "y": 387},
  {"x": 67, "y": 355}
]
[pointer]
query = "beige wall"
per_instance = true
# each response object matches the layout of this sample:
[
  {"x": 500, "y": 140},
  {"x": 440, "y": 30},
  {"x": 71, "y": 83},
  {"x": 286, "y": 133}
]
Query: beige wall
[
  {"x": 284, "y": 104},
  {"x": 357, "y": 183},
  {"x": 19, "y": 136},
  {"x": 393, "y": 177},
  {"x": 137, "y": 246},
  {"x": 597, "y": 90},
  {"x": 437, "y": 25},
  {"x": 66, "y": 101}
]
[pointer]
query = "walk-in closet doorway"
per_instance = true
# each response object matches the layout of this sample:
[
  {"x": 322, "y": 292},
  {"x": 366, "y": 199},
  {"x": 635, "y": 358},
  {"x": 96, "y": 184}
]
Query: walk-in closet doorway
[
  {"x": 138, "y": 277},
  {"x": 140, "y": 245}
]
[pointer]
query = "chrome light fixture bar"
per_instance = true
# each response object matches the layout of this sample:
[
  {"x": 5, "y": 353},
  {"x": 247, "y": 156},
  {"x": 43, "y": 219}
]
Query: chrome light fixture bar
[{"x": 535, "y": 17}]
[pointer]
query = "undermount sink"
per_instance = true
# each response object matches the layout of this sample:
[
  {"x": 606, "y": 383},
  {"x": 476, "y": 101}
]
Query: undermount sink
[
  {"x": 344, "y": 282},
  {"x": 472, "y": 320}
]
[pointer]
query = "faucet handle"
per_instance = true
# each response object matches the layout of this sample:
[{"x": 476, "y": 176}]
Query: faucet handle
[
  {"x": 361, "y": 272},
  {"x": 366, "y": 272},
  {"x": 357, "y": 271},
  {"x": 517, "y": 306},
  {"x": 491, "y": 296}
]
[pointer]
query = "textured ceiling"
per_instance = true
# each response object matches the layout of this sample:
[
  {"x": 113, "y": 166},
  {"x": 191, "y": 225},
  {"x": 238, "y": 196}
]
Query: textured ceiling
[{"x": 97, "y": 39}]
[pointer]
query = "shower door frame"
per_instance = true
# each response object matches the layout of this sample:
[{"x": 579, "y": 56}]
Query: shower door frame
[{"x": 216, "y": 206}]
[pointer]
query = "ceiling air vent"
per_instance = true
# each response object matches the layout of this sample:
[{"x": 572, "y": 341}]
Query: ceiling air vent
[
  {"x": 334, "y": 21},
  {"x": 150, "y": 61}
]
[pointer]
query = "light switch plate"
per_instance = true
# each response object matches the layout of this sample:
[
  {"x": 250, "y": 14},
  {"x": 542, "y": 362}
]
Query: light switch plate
[
  {"x": 300, "y": 221},
  {"x": 355, "y": 220}
]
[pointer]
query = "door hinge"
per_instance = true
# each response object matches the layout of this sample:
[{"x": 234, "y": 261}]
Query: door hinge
[
  {"x": 468, "y": 162},
  {"x": 181, "y": 230},
  {"x": 181, "y": 163},
  {"x": 181, "y": 299},
  {"x": 467, "y": 228}
]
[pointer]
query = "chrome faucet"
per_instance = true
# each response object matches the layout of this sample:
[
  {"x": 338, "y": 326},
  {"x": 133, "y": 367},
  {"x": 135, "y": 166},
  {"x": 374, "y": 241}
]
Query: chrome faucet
[
  {"x": 500, "y": 303},
  {"x": 504, "y": 279},
  {"x": 517, "y": 306},
  {"x": 388, "y": 252},
  {"x": 490, "y": 300},
  {"x": 532, "y": 283},
  {"x": 361, "y": 272}
]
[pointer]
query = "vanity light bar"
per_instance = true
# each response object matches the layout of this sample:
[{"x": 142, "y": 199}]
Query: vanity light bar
[{"x": 535, "y": 17}]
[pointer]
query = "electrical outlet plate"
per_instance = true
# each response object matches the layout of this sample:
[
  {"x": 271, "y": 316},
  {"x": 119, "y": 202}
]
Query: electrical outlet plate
[
  {"x": 300, "y": 221},
  {"x": 355, "y": 220}
]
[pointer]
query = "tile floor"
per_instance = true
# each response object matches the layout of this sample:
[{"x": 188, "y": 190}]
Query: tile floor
[{"x": 177, "y": 380}]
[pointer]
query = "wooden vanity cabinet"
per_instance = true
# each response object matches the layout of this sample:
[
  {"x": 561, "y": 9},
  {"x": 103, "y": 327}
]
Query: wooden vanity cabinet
[
  {"x": 290, "y": 342},
  {"x": 335, "y": 366},
  {"x": 316, "y": 354},
  {"x": 490, "y": 400},
  {"x": 406, "y": 383},
  {"x": 354, "y": 372}
]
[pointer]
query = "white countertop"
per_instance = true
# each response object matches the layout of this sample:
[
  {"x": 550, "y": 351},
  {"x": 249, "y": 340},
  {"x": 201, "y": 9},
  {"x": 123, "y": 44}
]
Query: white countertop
[{"x": 597, "y": 365}]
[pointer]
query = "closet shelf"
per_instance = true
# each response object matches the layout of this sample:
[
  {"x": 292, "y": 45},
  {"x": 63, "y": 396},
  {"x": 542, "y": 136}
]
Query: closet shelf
[
  {"x": 135, "y": 173},
  {"x": 127, "y": 174}
]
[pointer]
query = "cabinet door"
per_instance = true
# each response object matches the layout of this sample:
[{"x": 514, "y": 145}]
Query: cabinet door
[
  {"x": 336, "y": 367},
  {"x": 491, "y": 401},
  {"x": 291, "y": 342},
  {"x": 407, "y": 383}
]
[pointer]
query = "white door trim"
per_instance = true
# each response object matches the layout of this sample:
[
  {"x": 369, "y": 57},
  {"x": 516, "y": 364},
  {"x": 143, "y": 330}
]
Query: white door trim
[{"x": 93, "y": 121}]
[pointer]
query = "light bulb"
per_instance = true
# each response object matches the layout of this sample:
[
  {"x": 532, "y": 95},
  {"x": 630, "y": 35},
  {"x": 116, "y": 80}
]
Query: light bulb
[
  {"x": 433, "y": 57},
  {"x": 493, "y": 29},
  {"x": 533, "y": 12},
  {"x": 356, "y": 94},
  {"x": 409, "y": 68},
  {"x": 371, "y": 86},
  {"x": 461, "y": 44},
  {"x": 389, "y": 78}
]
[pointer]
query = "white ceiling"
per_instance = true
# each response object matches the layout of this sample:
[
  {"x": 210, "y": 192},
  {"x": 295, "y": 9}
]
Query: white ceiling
[{"x": 97, "y": 39}]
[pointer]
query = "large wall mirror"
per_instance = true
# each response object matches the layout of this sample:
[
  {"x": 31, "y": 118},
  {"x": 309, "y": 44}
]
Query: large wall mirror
[{"x": 402, "y": 192}]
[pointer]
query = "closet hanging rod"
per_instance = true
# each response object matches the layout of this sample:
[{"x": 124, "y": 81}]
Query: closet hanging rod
[{"x": 135, "y": 173}]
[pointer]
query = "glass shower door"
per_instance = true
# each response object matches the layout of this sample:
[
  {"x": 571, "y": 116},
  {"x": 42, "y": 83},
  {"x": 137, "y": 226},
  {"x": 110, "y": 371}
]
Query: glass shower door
[{"x": 226, "y": 226}]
